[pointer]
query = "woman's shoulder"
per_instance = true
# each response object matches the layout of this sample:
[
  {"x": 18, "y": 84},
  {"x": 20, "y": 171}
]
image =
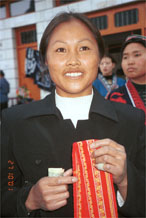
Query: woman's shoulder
[{"x": 23, "y": 111}]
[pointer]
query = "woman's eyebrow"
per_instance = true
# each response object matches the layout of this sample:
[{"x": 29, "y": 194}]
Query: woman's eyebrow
[
  {"x": 59, "y": 41},
  {"x": 82, "y": 40},
  {"x": 86, "y": 39}
]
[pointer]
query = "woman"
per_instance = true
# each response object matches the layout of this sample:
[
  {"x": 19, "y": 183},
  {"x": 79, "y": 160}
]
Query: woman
[
  {"x": 133, "y": 65},
  {"x": 40, "y": 134},
  {"x": 107, "y": 80}
]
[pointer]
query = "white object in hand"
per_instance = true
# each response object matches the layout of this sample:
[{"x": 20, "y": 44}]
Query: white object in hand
[
  {"x": 55, "y": 172},
  {"x": 100, "y": 166}
]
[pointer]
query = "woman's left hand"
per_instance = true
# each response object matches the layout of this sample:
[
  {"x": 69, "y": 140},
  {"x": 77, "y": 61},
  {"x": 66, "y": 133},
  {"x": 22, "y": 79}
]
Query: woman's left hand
[{"x": 111, "y": 157}]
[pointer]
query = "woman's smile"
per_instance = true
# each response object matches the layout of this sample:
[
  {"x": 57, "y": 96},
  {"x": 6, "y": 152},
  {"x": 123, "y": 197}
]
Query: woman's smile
[{"x": 74, "y": 74}]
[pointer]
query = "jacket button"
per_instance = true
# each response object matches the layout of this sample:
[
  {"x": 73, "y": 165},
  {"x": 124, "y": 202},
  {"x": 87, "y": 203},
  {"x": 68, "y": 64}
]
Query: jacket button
[{"x": 38, "y": 162}]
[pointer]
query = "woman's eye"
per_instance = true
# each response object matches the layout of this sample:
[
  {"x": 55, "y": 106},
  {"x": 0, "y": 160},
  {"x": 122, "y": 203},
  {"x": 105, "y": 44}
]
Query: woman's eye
[
  {"x": 84, "y": 48},
  {"x": 124, "y": 57},
  {"x": 60, "y": 50},
  {"x": 137, "y": 54}
]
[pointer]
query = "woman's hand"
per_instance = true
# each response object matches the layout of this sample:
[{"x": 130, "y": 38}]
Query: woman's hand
[
  {"x": 111, "y": 157},
  {"x": 50, "y": 193}
]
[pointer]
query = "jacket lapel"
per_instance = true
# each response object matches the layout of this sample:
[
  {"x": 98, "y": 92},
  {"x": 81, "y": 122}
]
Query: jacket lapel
[{"x": 103, "y": 107}]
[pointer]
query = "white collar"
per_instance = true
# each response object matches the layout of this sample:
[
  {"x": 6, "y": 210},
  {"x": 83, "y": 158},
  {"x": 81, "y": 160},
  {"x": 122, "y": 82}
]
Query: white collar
[{"x": 74, "y": 108}]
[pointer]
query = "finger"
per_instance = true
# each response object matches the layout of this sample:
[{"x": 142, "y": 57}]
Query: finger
[
  {"x": 118, "y": 158},
  {"x": 106, "y": 142},
  {"x": 105, "y": 167},
  {"x": 56, "y": 189},
  {"x": 55, "y": 205},
  {"x": 107, "y": 159},
  {"x": 57, "y": 197},
  {"x": 68, "y": 172},
  {"x": 115, "y": 170},
  {"x": 53, "y": 181},
  {"x": 67, "y": 180},
  {"x": 103, "y": 151}
]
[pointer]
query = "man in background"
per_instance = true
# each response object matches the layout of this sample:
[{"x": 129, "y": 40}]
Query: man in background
[{"x": 4, "y": 90}]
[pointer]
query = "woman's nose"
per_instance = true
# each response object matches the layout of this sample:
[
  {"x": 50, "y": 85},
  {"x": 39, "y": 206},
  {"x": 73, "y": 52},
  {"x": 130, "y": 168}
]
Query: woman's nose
[{"x": 73, "y": 59}]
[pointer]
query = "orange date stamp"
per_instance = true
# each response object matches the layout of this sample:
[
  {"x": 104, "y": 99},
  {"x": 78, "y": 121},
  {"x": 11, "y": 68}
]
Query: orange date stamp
[{"x": 10, "y": 175}]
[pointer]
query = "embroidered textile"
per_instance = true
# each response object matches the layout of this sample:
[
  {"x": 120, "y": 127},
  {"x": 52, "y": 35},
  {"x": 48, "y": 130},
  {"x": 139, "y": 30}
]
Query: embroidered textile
[
  {"x": 105, "y": 83},
  {"x": 134, "y": 97},
  {"x": 94, "y": 195},
  {"x": 128, "y": 94}
]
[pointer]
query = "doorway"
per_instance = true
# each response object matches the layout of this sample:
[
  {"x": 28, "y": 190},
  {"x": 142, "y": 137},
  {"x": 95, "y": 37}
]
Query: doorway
[{"x": 26, "y": 37}]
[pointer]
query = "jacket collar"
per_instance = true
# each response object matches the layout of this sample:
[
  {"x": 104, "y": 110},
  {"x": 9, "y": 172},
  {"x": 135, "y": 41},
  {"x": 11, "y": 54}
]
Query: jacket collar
[
  {"x": 103, "y": 107},
  {"x": 47, "y": 106}
]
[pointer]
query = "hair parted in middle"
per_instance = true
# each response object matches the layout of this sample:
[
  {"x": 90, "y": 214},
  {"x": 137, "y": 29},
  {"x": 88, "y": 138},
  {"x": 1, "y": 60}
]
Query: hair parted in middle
[
  {"x": 108, "y": 55},
  {"x": 67, "y": 17}
]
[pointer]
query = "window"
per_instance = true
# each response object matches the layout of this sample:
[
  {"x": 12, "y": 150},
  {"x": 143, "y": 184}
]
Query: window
[
  {"x": 28, "y": 37},
  {"x": 126, "y": 17},
  {"x": 10, "y": 8},
  {"x": 3, "y": 12},
  {"x": 100, "y": 22},
  {"x": 21, "y": 7},
  {"x": 63, "y": 2}
]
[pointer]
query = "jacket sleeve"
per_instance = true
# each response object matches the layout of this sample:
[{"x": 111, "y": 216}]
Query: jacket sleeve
[
  {"x": 14, "y": 190},
  {"x": 134, "y": 205}
]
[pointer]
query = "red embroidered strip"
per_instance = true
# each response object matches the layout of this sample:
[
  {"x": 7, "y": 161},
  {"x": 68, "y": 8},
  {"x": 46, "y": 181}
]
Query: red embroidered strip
[
  {"x": 136, "y": 98},
  {"x": 94, "y": 195}
]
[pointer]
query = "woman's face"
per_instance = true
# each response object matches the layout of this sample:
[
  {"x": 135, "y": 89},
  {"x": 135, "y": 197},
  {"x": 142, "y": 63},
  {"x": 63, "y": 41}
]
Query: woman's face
[
  {"x": 134, "y": 62},
  {"x": 72, "y": 58},
  {"x": 106, "y": 66}
]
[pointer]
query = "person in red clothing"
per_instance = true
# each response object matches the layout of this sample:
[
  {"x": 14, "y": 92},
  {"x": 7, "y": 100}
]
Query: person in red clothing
[{"x": 134, "y": 67}]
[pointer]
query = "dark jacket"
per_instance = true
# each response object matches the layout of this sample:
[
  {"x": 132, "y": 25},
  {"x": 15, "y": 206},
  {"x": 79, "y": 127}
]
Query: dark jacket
[
  {"x": 4, "y": 90},
  {"x": 35, "y": 137}
]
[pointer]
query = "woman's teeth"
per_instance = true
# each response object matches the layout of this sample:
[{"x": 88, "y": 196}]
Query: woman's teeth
[{"x": 74, "y": 74}]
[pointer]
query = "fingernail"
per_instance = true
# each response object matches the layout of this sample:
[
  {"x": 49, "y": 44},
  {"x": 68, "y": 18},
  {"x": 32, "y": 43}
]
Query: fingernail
[
  {"x": 100, "y": 166},
  {"x": 74, "y": 179},
  {"x": 92, "y": 145},
  {"x": 95, "y": 145}
]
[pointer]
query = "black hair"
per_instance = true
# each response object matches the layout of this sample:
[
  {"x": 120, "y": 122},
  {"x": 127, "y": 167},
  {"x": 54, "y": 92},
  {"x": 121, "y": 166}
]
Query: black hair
[
  {"x": 134, "y": 39},
  {"x": 2, "y": 73},
  {"x": 108, "y": 55}
]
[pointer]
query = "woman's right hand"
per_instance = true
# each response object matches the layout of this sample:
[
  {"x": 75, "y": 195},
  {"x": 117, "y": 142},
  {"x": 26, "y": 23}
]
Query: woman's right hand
[{"x": 50, "y": 193}]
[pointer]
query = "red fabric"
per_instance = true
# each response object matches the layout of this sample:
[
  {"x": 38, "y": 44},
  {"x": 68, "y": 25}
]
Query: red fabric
[
  {"x": 119, "y": 97},
  {"x": 94, "y": 195},
  {"x": 136, "y": 98}
]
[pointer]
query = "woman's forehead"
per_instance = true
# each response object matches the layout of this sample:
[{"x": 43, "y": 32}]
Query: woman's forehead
[
  {"x": 70, "y": 30},
  {"x": 72, "y": 25}
]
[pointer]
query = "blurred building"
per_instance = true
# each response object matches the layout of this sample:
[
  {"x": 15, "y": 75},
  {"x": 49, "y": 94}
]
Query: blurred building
[{"x": 22, "y": 23}]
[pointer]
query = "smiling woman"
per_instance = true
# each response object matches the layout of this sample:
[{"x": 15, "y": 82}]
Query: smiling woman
[
  {"x": 72, "y": 56},
  {"x": 72, "y": 59}
]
